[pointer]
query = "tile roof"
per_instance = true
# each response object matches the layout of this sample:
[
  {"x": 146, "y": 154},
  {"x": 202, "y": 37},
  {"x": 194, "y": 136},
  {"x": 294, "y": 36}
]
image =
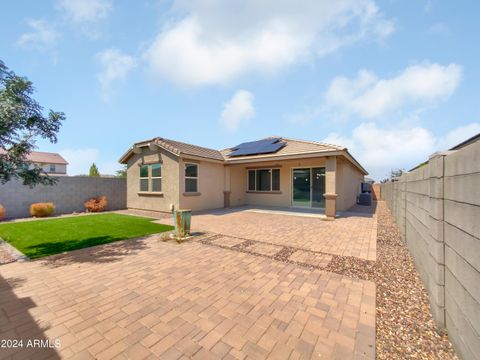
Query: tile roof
[
  {"x": 46, "y": 157},
  {"x": 292, "y": 147},
  {"x": 43, "y": 157},
  {"x": 178, "y": 148}
]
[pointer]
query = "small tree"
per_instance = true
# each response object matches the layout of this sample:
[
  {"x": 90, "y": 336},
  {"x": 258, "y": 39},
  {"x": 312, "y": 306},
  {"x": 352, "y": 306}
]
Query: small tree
[
  {"x": 94, "y": 171},
  {"x": 122, "y": 173},
  {"x": 394, "y": 174},
  {"x": 21, "y": 121}
]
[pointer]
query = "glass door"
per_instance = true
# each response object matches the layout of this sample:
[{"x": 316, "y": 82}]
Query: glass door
[
  {"x": 301, "y": 187},
  {"x": 318, "y": 187}
]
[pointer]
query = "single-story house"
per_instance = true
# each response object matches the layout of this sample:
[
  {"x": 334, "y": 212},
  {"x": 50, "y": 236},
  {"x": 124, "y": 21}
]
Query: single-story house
[{"x": 164, "y": 174}]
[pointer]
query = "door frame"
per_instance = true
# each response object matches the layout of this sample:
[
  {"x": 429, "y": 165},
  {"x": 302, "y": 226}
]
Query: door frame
[{"x": 311, "y": 187}]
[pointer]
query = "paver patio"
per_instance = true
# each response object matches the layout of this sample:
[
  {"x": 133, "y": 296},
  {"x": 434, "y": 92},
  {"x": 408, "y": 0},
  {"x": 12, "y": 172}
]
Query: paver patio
[
  {"x": 352, "y": 234},
  {"x": 148, "y": 299}
]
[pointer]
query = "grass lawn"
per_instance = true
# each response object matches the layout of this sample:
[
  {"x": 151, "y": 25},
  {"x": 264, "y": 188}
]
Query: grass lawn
[{"x": 47, "y": 237}]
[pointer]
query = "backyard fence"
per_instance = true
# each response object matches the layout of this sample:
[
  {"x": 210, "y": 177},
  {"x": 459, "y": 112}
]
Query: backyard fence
[
  {"x": 68, "y": 194},
  {"x": 437, "y": 210}
]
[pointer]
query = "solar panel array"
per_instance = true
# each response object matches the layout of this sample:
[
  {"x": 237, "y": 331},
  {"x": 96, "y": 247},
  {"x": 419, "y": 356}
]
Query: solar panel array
[{"x": 265, "y": 146}]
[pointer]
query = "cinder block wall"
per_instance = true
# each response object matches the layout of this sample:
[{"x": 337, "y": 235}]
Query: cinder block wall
[
  {"x": 68, "y": 195},
  {"x": 437, "y": 209}
]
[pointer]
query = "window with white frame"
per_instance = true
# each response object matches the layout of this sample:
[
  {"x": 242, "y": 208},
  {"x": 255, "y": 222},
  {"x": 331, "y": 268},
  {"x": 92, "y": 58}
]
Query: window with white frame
[
  {"x": 156, "y": 178},
  {"x": 52, "y": 168},
  {"x": 264, "y": 180},
  {"x": 191, "y": 178},
  {"x": 151, "y": 178}
]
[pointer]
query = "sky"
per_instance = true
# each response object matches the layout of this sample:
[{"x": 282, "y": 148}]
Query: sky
[{"x": 393, "y": 81}]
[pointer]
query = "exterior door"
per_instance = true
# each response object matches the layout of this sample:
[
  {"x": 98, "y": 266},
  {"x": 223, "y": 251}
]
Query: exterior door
[
  {"x": 318, "y": 187},
  {"x": 301, "y": 187},
  {"x": 308, "y": 187}
]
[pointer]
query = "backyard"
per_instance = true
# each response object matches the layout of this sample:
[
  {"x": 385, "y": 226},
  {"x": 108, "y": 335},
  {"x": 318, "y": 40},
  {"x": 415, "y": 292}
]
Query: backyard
[{"x": 41, "y": 238}]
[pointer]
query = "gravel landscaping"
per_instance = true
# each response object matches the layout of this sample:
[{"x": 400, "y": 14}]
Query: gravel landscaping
[{"x": 405, "y": 327}]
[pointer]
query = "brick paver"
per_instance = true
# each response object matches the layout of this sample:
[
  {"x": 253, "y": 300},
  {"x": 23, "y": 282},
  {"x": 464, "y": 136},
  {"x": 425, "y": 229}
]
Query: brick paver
[
  {"x": 352, "y": 234},
  {"x": 151, "y": 299}
]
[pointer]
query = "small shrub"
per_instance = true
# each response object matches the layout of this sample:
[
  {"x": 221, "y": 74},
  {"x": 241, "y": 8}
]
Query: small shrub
[
  {"x": 42, "y": 209},
  {"x": 96, "y": 204},
  {"x": 2, "y": 212}
]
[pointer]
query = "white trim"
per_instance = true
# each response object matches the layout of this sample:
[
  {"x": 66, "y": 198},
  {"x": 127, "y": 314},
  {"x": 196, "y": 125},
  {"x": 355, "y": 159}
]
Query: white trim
[{"x": 185, "y": 177}]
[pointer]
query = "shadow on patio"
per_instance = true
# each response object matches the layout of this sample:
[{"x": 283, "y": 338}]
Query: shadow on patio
[
  {"x": 16, "y": 323},
  {"x": 104, "y": 253}
]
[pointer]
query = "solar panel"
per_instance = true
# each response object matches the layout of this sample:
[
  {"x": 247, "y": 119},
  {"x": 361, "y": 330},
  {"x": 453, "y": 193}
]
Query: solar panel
[{"x": 265, "y": 146}]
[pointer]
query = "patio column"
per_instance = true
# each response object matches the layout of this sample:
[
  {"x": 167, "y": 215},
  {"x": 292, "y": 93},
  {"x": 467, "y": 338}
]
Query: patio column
[
  {"x": 226, "y": 187},
  {"x": 330, "y": 188}
]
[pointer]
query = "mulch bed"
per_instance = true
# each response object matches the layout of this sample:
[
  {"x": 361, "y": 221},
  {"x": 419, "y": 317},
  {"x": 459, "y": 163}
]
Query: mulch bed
[{"x": 405, "y": 327}]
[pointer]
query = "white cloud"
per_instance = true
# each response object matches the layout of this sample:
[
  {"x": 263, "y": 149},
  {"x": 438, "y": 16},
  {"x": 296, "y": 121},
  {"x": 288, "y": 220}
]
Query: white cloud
[
  {"x": 369, "y": 96},
  {"x": 458, "y": 135},
  {"x": 215, "y": 41},
  {"x": 42, "y": 36},
  {"x": 380, "y": 150},
  {"x": 237, "y": 110},
  {"x": 80, "y": 160},
  {"x": 85, "y": 11},
  {"x": 115, "y": 67}
]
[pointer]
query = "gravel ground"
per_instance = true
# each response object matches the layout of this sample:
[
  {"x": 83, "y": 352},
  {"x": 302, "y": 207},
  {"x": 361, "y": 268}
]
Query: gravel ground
[{"x": 405, "y": 327}]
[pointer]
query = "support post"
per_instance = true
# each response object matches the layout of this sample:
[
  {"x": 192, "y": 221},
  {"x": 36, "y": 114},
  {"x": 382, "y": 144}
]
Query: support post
[{"x": 330, "y": 187}]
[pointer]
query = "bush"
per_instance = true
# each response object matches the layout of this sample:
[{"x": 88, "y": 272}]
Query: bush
[
  {"x": 2, "y": 212},
  {"x": 96, "y": 204},
  {"x": 42, "y": 209}
]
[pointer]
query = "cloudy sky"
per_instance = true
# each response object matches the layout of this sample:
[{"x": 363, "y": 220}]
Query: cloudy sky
[{"x": 393, "y": 81}]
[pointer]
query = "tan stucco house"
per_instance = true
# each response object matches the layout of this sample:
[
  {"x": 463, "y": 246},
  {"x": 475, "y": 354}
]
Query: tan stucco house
[{"x": 164, "y": 174}]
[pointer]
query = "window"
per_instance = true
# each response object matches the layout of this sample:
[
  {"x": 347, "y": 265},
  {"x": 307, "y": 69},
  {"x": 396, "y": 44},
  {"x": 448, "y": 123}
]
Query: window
[
  {"x": 151, "y": 178},
  {"x": 52, "y": 168},
  {"x": 264, "y": 180},
  {"x": 144, "y": 178},
  {"x": 191, "y": 178}
]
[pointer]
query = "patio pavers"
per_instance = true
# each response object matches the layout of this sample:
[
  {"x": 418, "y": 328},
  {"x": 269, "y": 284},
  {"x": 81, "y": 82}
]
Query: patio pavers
[
  {"x": 352, "y": 234},
  {"x": 139, "y": 299}
]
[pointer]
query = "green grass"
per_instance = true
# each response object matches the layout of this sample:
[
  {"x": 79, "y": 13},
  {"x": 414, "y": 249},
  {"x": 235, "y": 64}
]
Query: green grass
[{"x": 47, "y": 237}]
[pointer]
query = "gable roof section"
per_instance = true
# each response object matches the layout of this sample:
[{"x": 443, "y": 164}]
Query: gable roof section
[
  {"x": 177, "y": 148},
  {"x": 293, "y": 148}
]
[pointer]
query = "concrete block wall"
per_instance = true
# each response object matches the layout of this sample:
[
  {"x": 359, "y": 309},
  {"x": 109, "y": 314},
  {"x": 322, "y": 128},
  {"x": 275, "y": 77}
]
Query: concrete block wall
[
  {"x": 441, "y": 220},
  {"x": 68, "y": 195}
]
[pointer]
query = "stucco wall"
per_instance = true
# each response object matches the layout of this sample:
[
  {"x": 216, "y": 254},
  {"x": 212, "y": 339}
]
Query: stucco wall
[
  {"x": 349, "y": 179},
  {"x": 170, "y": 182},
  {"x": 68, "y": 195},
  {"x": 347, "y": 183},
  {"x": 437, "y": 209},
  {"x": 210, "y": 186}
]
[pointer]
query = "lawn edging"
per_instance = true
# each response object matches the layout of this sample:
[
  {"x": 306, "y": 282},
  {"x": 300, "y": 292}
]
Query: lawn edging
[{"x": 11, "y": 252}]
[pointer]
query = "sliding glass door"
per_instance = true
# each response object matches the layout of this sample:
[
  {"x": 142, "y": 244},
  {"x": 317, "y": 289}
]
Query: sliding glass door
[{"x": 308, "y": 187}]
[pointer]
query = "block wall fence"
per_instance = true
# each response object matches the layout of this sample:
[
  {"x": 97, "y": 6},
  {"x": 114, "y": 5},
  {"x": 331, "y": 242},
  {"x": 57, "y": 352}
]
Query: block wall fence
[
  {"x": 437, "y": 210},
  {"x": 68, "y": 195}
]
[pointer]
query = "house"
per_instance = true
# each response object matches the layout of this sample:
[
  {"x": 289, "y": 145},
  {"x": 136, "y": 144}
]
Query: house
[
  {"x": 51, "y": 163},
  {"x": 164, "y": 174}
]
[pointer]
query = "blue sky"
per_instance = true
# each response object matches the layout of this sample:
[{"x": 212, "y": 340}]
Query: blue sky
[{"x": 393, "y": 81}]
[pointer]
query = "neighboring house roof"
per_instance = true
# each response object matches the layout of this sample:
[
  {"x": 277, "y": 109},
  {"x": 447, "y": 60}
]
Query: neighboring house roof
[
  {"x": 43, "y": 157},
  {"x": 293, "y": 148},
  {"x": 46, "y": 158}
]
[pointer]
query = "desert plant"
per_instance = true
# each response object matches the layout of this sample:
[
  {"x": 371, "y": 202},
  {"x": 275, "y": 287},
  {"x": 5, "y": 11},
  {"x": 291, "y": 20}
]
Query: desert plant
[
  {"x": 42, "y": 209},
  {"x": 2, "y": 212},
  {"x": 96, "y": 204}
]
